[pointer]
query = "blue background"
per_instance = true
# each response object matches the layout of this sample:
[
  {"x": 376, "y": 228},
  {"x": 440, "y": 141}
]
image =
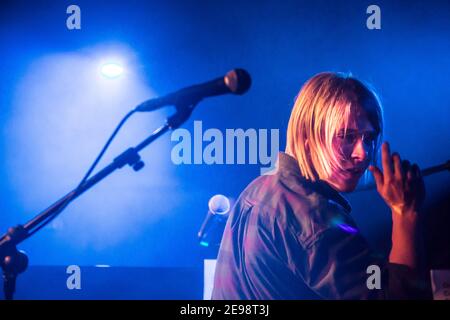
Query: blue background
[{"x": 56, "y": 113}]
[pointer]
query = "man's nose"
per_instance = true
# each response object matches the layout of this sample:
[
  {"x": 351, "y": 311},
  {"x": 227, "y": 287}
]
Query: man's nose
[{"x": 360, "y": 151}]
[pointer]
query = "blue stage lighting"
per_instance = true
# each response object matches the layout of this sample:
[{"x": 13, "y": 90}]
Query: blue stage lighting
[{"x": 111, "y": 70}]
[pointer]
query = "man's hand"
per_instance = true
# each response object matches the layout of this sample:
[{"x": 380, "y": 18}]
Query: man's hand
[
  {"x": 400, "y": 184},
  {"x": 402, "y": 188}
]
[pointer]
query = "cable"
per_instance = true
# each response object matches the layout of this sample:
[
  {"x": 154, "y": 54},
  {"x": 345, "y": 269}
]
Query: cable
[
  {"x": 122, "y": 122},
  {"x": 86, "y": 176}
]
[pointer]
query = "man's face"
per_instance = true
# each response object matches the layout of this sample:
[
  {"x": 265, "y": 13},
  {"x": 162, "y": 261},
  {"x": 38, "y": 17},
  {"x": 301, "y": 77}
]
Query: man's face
[{"x": 354, "y": 149}]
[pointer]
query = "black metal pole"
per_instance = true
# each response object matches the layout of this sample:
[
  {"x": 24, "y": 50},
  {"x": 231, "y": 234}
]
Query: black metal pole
[{"x": 13, "y": 261}]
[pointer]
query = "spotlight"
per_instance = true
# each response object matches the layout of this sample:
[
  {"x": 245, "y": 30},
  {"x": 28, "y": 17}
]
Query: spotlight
[{"x": 111, "y": 70}]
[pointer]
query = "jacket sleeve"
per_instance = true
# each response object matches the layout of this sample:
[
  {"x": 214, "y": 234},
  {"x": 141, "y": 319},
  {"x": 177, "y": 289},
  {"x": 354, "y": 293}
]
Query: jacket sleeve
[{"x": 340, "y": 265}]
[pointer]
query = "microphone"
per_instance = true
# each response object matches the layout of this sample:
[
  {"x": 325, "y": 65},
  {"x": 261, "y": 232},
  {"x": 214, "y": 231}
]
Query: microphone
[
  {"x": 237, "y": 81},
  {"x": 424, "y": 172},
  {"x": 218, "y": 208}
]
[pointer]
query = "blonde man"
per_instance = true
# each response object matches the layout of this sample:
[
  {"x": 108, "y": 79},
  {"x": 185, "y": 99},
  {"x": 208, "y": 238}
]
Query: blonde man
[{"x": 290, "y": 234}]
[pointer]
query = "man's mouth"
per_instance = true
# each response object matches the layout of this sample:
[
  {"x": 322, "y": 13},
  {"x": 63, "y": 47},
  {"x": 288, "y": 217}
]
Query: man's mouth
[{"x": 356, "y": 171}]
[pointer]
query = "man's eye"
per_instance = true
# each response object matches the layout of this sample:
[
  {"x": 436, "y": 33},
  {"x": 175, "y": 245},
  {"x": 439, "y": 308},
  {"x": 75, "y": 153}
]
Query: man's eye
[
  {"x": 351, "y": 138},
  {"x": 348, "y": 138},
  {"x": 369, "y": 139}
]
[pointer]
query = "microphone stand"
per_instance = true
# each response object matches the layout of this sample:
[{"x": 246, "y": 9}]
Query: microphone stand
[{"x": 13, "y": 261}]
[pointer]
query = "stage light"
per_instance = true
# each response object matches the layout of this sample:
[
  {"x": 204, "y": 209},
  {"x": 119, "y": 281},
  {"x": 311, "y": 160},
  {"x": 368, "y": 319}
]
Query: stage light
[
  {"x": 111, "y": 70},
  {"x": 91, "y": 106}
]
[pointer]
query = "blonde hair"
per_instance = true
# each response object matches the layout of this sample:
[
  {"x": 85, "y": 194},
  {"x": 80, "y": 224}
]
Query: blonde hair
[{"x": 323, "y": 104}]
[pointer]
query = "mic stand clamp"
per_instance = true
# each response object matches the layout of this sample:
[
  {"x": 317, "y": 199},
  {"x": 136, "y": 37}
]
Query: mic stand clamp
[{"x": 12, "y": 261}]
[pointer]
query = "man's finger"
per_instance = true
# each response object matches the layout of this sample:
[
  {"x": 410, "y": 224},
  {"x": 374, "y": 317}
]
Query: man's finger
[
  {"x": 386, "y": 162},
  {"x": 399, "y": 173},
  {"x": 416, "y": 171},
  {"x": 377, "y": 175},
  {"x": 409, "y": 175}
]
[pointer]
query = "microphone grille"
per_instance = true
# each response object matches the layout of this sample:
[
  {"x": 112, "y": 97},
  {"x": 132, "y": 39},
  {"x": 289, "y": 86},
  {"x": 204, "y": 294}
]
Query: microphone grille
[
  {"x": 238, "y": 81},
  {"x": 219, "y": 204}
]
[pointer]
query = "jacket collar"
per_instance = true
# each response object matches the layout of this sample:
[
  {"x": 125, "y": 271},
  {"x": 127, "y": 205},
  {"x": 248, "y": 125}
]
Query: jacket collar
[{"x": 289, "y": 167}]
